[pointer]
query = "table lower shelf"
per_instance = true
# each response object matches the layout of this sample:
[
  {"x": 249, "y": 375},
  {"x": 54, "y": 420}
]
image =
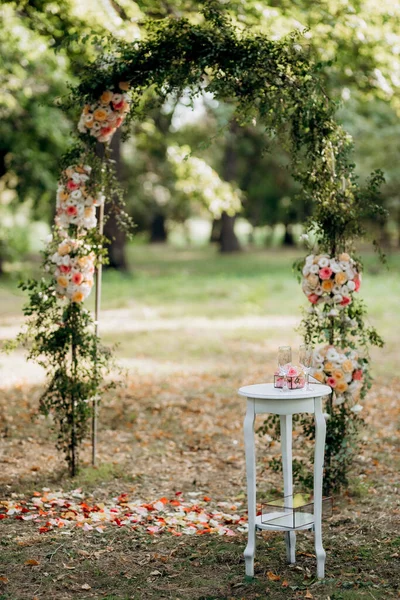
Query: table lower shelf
[{"x": 285, "y": 522}]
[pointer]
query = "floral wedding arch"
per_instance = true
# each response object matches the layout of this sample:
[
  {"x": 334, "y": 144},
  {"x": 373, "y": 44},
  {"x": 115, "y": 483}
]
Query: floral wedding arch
[{"x": 273, "y": 82}]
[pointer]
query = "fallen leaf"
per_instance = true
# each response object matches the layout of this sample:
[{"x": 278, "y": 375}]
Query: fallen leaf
[
  {"x": 309, "y": 595},
  {"x": 32, "y": 562},
  {"x": 285, "y": 583},
  {"x": 68, "y": 567},
  {"x": 4, "y": 579},
  {"x": 156, "y": 573},
  {"x": 86, "y": 586},
  {"x": 272, "y": 577}
]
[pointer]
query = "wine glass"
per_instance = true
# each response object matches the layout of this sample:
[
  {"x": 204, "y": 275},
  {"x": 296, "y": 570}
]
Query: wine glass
[
  {"x": 306, "y": 360},
  {"x": 284, "y": 360}
]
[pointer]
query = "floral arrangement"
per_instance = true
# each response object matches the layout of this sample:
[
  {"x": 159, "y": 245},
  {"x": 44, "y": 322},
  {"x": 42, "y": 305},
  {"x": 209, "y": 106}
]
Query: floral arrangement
[
  {"x": 330, "y": 280},
  {"x": 342, "y": 371},
  {"x": 75, "y": 205},
  {"x": 295, "y": 378},
  {"x": 73, "y": 270},
  {"x": 103, "y": 118}
]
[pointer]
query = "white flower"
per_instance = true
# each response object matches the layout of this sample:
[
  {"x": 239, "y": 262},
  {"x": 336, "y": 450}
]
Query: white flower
[
  {"x": 342, "y": 358},
  {"x": 344, "y": 264},
  {"x": 306, "y": 270},
  {"x": 333, "y": 313},
  {"x": 318, "y": 357},
  {"x": 348, "y": 377},
  {"x": 335, "y": 266},
  {"x": 351, "y": 285},
  {"x": 76, "y": 178},
  {"x": 345, "y": 290},
  {"x": 357, "y": 408},
  {"x": 81, "y": 127},
  {"x": 48, "y": 239},
  {"x": 332, "y": 355},
  {"x": 338, "y": 400},
  {"x": 353, "y": 387},
  {"x": 76, "y": 195},
  {"x": 304, "y": 237},
  {"x": 323, "y": 262},
  {"x": 117, "y": 98},
  {"x": 350, "y": 273},
  {"x": 96, "y": 126},
  {"x": 87, "y": 168},
  {"x": 310, "y": 260},
  {"x": 318, "y": 290},
  {"x": 314, "y": 269},
  {"x": 337, "y": 298}
]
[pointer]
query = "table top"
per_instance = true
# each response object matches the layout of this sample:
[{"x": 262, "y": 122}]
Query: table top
[{"x": 267, "y": 391}]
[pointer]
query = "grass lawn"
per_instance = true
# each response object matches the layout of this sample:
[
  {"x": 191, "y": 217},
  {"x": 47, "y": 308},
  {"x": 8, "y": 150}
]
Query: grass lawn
[{"x": 192, "y": 326}]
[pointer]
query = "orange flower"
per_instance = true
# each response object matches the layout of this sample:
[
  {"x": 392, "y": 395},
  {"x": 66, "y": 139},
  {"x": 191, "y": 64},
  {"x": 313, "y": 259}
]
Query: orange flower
[
  {"x": 64, "y": 249},
  {"x": 124, "y": 85},
  {"x": 63, "y": 196},
  {"x": 347, "y": 366},
  {"x": 312, "y": 280},
  {"x": 100, "y": 114},
  {"x": 328, "y": 367},
  {"x": 62, "y": 281},
  {"x": 106, "y": 97},
  {"x": 340, "y": 278},
  {"x": 341, "y": 387},
  {"x": 338, "y": 375},
  {"x": 90, "y": 211},
  {"x": 327, "y": 285},
  {"x": 319, "y": 376},
  {"x": 344, "y": 257},
  {"x": 86, "y": 109},
  {"x": 78, "y": 296}
]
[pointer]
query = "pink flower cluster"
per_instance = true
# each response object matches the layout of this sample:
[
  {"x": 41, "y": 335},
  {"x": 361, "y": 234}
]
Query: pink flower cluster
[
  {"x": 295, "y": 378},
  {"x": 103, "y": 118},
  {"x": 341, "y": 369},
  {"x": 75, "y": 206},
  {"x": 73, "y": 271},
  {"x": 330, "y": 280}
]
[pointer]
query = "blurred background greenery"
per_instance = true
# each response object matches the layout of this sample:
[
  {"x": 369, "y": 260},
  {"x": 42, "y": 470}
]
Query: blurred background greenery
[{"x": 44, "y": 45}]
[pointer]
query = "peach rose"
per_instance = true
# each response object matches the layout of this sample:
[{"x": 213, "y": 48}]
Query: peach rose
[
  {"x": 312, "y": 280},
  {"x": 340, "y": 278},
  {"x": 100, "y": 114},
  {"x": 78, "y": 296},
  {"x": 63, "y": 196},
  {"x": 64, "y": 249},
  {"x": 327, "y": 285},
  {"x": 328, "y": 367},
  {"x": 124, "y": 85},
  {"x": 319, "y": 376},
  {"x": 347, "y": 366},
  {"x": 106, "y": 97},
  {"x": 62, "y": 281},
  {"x": 337, "y": 374},
  {"x": 344, "y": 257},
  {"x": 341, "y": 387}
]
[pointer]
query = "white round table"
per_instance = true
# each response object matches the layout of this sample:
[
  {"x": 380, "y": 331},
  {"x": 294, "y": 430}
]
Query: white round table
[{"x": 265, "y": 398}]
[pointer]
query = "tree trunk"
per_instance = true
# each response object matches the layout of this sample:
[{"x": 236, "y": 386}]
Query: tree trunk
[
  {"x": 158, "y": 230},
  {"x": 228, "y": 240},
  {"x": 288, "y": 239},
  {"x": 112, "y": 230},
  {"x": 215, "y": 235}
]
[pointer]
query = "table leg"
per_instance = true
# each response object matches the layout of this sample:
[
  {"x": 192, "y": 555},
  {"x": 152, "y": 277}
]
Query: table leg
[
  {"x": 251, "y": 485},
  {"x": 320, "y": 434},
  {"x": 286, "y": 443}
]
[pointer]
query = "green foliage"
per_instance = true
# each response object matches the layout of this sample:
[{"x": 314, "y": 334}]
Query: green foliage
[{"x": 60, "y": 337}]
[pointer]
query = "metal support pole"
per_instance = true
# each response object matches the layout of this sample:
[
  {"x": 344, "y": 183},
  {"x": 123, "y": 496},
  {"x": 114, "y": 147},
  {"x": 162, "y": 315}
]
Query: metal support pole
[{"x": 99, "y": 270}]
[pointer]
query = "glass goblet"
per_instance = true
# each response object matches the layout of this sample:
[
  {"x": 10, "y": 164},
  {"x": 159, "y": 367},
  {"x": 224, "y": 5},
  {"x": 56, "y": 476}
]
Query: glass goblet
[
  {"x": 306, "y": 361},
  {"x": 284, "y": 361}
]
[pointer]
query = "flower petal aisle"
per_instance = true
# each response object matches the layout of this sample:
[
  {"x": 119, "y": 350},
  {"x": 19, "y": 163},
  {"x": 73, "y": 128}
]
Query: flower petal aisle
[{"x": 177, "y": 516}]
